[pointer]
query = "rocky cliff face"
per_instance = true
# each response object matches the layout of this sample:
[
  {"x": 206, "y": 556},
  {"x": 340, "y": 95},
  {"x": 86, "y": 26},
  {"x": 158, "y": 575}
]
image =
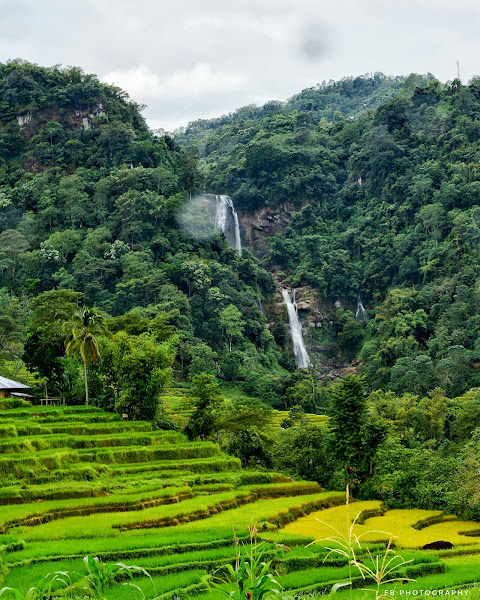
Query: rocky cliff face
[
  {"x": 69, "y": 118},
  {"x": 262, "y": 223},
  {"x": 317, "y": 316}
]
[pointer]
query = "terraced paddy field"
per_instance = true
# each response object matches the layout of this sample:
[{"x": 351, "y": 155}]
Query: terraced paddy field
[
  {"x": 76, "y": 481},
  {"x": 312, "y": 419},
  {"x": 412, "y": 528},
  {"x": 179, "y": 408}
]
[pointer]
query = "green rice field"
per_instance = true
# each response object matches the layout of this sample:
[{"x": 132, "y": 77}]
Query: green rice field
[
  {"x": 75, "y": 481},
  {"x": 179, "y": 408}
]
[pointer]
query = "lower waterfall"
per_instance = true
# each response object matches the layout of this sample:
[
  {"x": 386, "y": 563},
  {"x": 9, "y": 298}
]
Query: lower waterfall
[{"x": 299, "y": 350}]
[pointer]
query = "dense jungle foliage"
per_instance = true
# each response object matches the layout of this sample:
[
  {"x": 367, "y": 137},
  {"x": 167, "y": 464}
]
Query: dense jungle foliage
[
  {"x": 387, "y": 207},
  {"x": 213, "y": 138},
  {"x": 89, "y": 200}
]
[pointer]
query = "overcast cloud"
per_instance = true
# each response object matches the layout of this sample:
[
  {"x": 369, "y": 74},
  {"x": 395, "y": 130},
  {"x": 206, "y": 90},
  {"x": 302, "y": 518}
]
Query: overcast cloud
[{"x": 189, "y": 59}]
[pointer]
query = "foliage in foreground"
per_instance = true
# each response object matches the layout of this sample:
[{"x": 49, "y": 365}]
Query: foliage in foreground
[
  {"x": 251, "y": 577},
  {"x": 381, "y": 569},
  {"x": 99, "y": 577},
  {"x": 43, "y": 590}
]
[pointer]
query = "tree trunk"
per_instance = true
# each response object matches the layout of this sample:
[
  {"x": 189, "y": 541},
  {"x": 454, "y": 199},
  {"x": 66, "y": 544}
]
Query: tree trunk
[{"x": 86, "y": 381}]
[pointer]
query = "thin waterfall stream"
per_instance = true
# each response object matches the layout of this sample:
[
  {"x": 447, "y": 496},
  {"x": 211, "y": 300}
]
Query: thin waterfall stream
[
  {"x": 361, "y": 314},
  {"x": 299, "y": 350}
]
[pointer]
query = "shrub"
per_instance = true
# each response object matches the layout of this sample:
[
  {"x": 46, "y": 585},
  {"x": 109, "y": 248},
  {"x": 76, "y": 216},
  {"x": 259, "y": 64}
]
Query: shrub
[
  {"x": 250, "y": 448},
  {"x": 163, "y": 421}
]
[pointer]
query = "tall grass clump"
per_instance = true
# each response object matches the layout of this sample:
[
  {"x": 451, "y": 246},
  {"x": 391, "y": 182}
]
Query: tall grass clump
[
  {"x": 100, "y": 576},
  {"x": 43, "y": 590},
  {"x": 383, "y": 567},
  {"x": 251, "y": 576},
  {"x": 346, "y": 544}
]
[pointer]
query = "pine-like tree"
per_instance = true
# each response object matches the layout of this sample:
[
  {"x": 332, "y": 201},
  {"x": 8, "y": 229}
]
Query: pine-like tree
[{"x": 347, "y": 412}]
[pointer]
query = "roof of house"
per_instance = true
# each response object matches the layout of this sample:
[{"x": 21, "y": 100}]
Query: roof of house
[{"x": 9, "y": 384}]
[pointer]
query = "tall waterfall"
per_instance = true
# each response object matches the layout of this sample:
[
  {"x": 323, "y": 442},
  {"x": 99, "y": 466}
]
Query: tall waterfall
[
  {"x": 361, "y": 314},
  {"x": 226, "y": 219},
  {"x": 299, "y": 350}
]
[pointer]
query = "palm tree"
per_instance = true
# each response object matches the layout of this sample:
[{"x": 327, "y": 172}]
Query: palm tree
[{"x": 83, "y": 333}]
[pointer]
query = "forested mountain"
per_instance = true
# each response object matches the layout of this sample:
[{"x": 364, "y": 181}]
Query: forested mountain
[
  {"x": 386, "y": 205},
  {"x": 212, "y": 138},
  {"x": 89, "y": 205}
]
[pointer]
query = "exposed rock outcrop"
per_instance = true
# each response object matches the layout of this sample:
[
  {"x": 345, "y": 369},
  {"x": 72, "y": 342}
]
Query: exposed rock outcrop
[{"x": 262, "y": 223}]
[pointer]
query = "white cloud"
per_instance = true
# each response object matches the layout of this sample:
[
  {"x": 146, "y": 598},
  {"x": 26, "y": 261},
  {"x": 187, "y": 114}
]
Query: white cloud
[
  {"x": 143, "y": 84},
  {"x": 139, "y": 82},
  {"x": 202, "y": 90},
  {"x": 202, "y": 79}
]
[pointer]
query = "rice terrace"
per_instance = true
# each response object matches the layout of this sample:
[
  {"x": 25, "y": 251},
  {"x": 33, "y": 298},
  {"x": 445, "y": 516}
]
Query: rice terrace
[{"x": 76, "y": 482}]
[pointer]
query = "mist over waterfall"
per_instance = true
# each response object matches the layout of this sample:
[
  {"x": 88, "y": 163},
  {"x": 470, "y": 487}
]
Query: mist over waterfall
[
  {"x": 361, "y": 314},
  {"x": 299, "y": 350},
  {"x": 226, "y": 219}
]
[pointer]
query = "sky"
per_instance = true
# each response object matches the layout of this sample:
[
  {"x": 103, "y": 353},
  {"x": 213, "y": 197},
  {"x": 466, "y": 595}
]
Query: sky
[{"x": 191, "y": 59}]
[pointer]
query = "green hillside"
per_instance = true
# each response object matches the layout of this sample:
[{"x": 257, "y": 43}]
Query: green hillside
[
  {"x": 349, "y": 97},
  {"x": 384, "y": 205},
  {"x": 91, "y": 201}
]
